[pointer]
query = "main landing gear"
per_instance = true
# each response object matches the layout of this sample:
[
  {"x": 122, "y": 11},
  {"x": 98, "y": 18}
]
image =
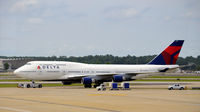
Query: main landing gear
[
  {"x": 97, "y": 84},
  {"x": 87, "y": 85},
  {"x": 90, "y": 85}
]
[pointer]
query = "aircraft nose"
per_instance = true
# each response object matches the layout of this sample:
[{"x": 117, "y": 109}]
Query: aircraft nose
[{"x": 17, "y": 72}]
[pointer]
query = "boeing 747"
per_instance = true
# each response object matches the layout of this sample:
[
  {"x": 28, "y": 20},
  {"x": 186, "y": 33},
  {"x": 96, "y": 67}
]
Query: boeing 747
[{"x": 73, "y": 72}]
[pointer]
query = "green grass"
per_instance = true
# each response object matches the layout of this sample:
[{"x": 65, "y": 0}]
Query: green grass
[
  {"x": 5, "y": 75},
  {"x": 8, "y": 85},
  {"x": 160, "y": 78},
  {"x": 16, "y": 80},
  {"x": 166, "y": 80},
  {"x": 78, "y": 84},
  {"x": 44, "y": 85}
]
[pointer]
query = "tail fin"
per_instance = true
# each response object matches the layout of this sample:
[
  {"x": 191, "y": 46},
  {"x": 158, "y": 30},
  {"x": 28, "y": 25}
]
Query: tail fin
[{"x": 169, "y": 55}]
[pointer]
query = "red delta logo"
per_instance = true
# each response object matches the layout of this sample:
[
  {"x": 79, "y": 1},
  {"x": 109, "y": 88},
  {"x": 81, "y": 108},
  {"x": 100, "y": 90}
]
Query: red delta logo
[
  {"x": 48, "y": 67},
  {"x": 38, "y": 67}
]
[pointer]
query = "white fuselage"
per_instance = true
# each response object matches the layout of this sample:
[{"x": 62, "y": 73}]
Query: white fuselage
[{"x": 61, "y": 70}]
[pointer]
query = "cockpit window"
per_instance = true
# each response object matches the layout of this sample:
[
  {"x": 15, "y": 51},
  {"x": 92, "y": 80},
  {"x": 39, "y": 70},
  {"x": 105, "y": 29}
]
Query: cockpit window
[{"x": 28, "y": 63}]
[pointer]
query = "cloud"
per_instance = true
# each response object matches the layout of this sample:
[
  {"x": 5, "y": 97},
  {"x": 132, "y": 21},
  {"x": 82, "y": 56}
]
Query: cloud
[
  {"x": 35, "y": 20},
  {"x": 23, "y": 5},
  {"x": 188, "y": 14},
  {"x": 167, "y": 18},
  {"x": 191, "y": 15},
  {"x": 121, "y": 13}
]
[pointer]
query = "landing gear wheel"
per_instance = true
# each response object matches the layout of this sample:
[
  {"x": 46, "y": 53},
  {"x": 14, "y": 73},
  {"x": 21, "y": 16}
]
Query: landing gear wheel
[
  {"x": 95, "y": 86},
  {"x": 87, "y": 85},
  {"x": 40, "y": 86},
  {"x": 28, "y": 85},
  {"x": 170, "y": 88}
]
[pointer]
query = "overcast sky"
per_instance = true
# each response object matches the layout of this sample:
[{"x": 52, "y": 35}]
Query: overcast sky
[{"x": 98, "y": 27}]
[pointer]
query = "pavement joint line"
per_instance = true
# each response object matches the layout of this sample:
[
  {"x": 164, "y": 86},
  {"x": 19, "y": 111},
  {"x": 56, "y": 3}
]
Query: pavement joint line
[
  {"x": 14, "y": 109},
  {"x": 106, "y": 94},
  {"x": 68, "y": 105}
]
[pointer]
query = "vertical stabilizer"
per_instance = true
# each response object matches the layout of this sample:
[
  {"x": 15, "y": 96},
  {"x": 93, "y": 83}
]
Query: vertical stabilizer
[{"x": 170, "y": 55}]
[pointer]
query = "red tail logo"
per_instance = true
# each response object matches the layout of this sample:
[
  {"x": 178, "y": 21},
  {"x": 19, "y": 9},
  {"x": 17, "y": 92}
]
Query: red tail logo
[{"x": 169, "y": 55}]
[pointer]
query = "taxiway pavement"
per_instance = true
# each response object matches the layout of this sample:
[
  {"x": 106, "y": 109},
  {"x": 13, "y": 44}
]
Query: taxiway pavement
[{"x": 141, "y": 98}]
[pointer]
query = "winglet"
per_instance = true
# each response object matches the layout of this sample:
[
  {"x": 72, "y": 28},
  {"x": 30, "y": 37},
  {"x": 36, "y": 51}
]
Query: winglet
[{"x": 170, "y": 55}]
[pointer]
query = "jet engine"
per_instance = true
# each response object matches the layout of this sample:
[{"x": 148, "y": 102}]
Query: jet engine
[
  {"x": 118, "y": 78},
  {"x": 121, "y": 78},
  {"x": 87, "y": 81}
]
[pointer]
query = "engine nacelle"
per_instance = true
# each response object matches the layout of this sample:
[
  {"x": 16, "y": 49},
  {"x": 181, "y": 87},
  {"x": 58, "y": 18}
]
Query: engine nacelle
[
  {"x": 121, "y": 78},
  {"x": 118, "y": 78},
  {"x": 87, "y": 80}
]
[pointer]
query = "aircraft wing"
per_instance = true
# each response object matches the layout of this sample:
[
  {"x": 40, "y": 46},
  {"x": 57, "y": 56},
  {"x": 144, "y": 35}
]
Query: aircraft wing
[
  {"x": 75, "y": 76},
  {"x": 99, "y": 76}
]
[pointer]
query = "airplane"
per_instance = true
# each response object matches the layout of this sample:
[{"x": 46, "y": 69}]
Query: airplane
[{"x": 87, "y": 74}]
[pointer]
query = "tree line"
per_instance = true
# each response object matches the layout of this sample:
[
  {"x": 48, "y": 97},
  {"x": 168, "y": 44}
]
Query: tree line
[{"x": 110, "y": 59}]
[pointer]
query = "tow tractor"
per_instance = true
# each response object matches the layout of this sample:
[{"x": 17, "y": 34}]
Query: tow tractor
[
  {"x": 101, "y": 87},
  {"x": 29, "y": 85}
]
